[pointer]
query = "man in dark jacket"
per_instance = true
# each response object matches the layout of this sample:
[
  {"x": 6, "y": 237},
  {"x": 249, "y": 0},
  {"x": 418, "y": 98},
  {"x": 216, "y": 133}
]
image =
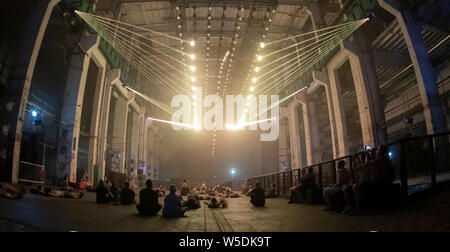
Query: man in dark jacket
[
  {"x": 127, "y": 195},
  {"x": 148, "y": 201},
  {"x": 258, "y": 198}
]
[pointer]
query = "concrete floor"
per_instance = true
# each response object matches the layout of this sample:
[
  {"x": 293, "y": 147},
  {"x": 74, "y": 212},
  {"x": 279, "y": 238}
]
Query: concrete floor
[{"x": 36, "y": 213}]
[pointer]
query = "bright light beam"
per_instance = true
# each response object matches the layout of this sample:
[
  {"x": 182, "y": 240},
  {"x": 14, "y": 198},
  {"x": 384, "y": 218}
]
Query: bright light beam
[
  {"x": 173, "y": 123},
  {"x": 243, "y": 125}
]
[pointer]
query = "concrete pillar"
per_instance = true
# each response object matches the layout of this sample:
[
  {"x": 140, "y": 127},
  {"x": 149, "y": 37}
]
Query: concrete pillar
[
  {"x": 426, "y": 74},
  {"x": 97, "y": 110},
  {"x": 294, "y": 132},
  {"x": 72, "y": 107},
  {"x": 136, "y": 118},
  {"x": 153, "y": 152},
  {"x": 119, "y": 138},
  {"x": 321, "y": 78},
  {"x": 370, "y": 102},
  {"x": 13, "y": 111},
  {"x": 112, "y": 77},
  {"x": 283, "y": 142},
  {"x": 315, "y": 11},
  {"x": 338, "y": 105},
  {"x": 312, "y": 129}
]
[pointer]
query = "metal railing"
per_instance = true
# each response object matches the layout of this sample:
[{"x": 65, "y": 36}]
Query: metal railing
[{"x": 420, "y": 163}]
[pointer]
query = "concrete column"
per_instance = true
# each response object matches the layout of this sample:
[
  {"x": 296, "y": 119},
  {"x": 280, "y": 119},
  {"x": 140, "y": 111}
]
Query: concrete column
[
  {"x": 13, "y": 111},
  {"x": 312, "y": 130},
  {"x": 112, "y": 77},
  {"x": 294, "y": 132},
  {"x": 321, "y": 78},
  {"x": 72, "y": 107},
  {"x": 370, "y": 102},
  {"x": 96, "y": 121},
  {"x": 338, "y": 106},
  {"x": 154, "y": 155},
  {"x": 283, "y": 144},
  {"x": 119, "y": 138},
  {"x": 426, "y": 74},
  {"x": 315, "y": 11},
  {"x": 136, "y": 117}
]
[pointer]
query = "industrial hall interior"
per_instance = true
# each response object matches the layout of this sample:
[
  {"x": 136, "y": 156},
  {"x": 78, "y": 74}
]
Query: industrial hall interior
[{"x": 243, "y": 115}]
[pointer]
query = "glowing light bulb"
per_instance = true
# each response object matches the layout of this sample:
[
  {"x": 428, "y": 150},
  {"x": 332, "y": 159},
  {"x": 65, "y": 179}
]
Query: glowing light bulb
[
  {"x": 257, "y": 69},
  {"x": 254, "y": 79},
  {"x": 193, "y": 79},
  {"x": 252, "y": 89},
  {"x": 259, "y": 57},
  {"x": 262, "y": 45},
  {"x": 192, "y": 56},
  {"x": 193, "y": 68},
  {"x": 192, "y": 43}
]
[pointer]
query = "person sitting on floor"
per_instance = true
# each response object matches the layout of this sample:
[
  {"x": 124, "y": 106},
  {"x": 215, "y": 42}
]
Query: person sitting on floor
[
  {"x": 331, "y": 193},
  {"x": 192, "y": 202},
  {"x": 295, "y": 190},
  {"x": 172, "y": 204},
  {"x": 308, "y": 183},
  {"x": 115, "y": 191},
  {"x": 184, "y": 188},
  {"x": 148, "y": 200},
  {"x": 214, "y": 203},
  {"x": 8, "y": 191},
  {"x": 273, "y": 193},
  {"x": 381, "y": 177},
  {"x": 127, "y": 195},
  {"x": 257, "y": 195},
  {"x": 103, "y": 194}
]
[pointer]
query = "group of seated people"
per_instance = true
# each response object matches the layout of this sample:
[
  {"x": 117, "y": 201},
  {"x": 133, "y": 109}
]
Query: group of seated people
[
  {"x": 110, "y": 193},
  {"x": 149, "y": 203},
  {"x": 218, "y": 190},
  {"x": 64, "y": 189},
  {"x": 306, "y": 183},
  {"x": 370, "y": 178}
]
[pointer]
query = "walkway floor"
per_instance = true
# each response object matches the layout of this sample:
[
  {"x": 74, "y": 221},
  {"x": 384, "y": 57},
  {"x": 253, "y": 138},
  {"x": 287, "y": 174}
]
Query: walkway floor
[{"x": 36, "y": 213}]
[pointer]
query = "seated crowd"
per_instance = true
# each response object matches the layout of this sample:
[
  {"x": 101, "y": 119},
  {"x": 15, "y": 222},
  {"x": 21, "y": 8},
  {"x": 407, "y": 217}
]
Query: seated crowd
[{"x": 369, "y": 181}]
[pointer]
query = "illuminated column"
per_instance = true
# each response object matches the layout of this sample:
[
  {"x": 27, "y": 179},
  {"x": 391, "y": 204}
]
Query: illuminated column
[
  {"x": 370, "y": 102},
  {"x": 96, "y": 122},
  {"x": 112, "y": 77},
  {"x": 321, "y": 78},
  {"x": 119, "y": 138},
  {"x": 136, "y": 115},
  {"x": 283, "y": 140},
  {"x": 339, "y": 114},
  {"x": 72, "y": 107},
  {"x": 13, "y": 111},
  {"x": 312, "y": 130},
  {"x": 294, "y": 131},
  {"x": 426, "y": 74}
]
